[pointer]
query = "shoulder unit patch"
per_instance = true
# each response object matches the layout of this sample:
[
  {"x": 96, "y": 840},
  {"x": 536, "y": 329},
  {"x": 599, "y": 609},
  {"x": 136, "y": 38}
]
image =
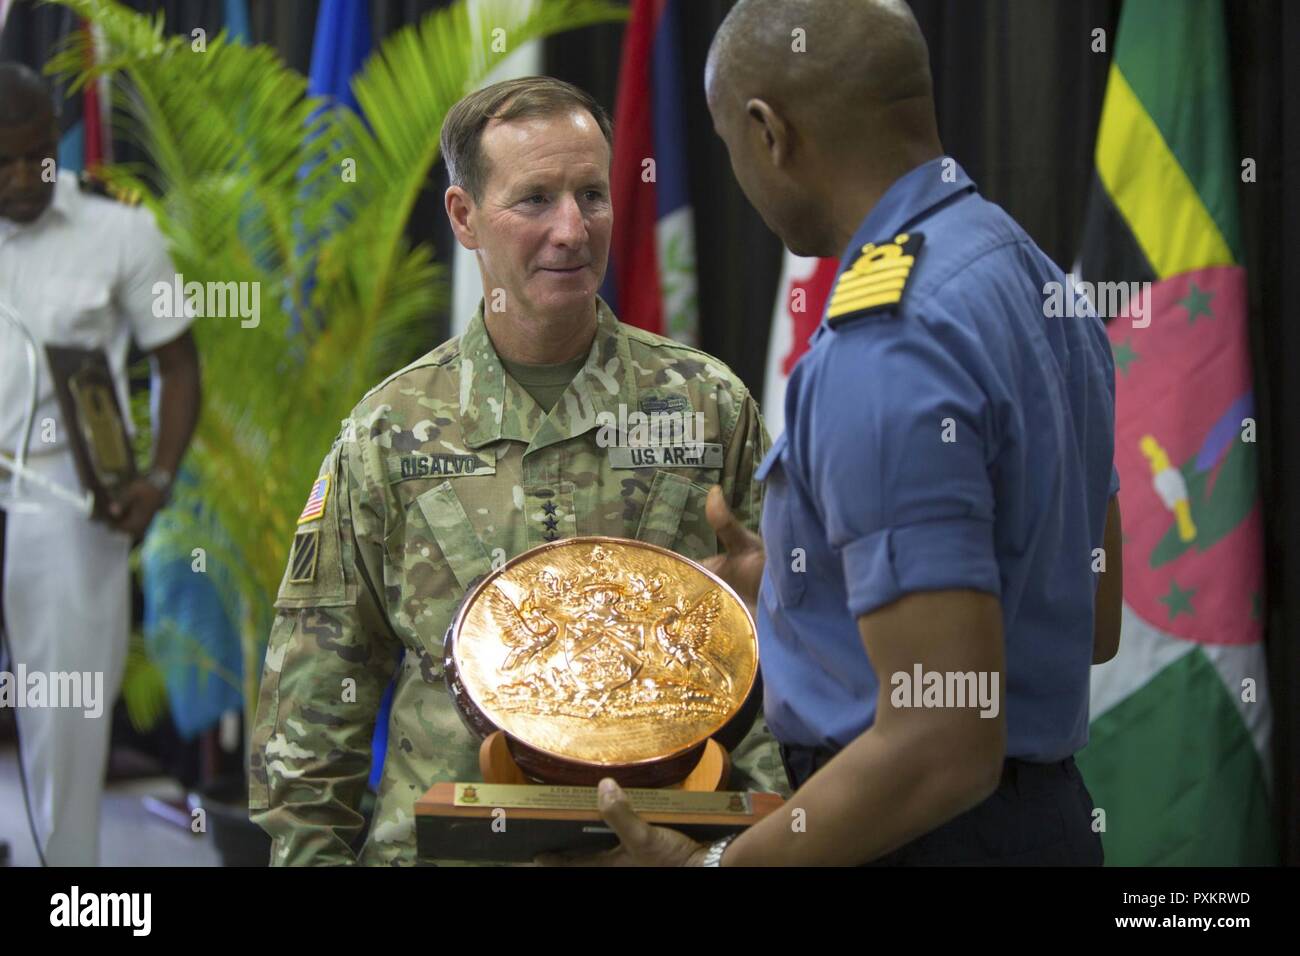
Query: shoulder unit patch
[
  {"x": 302, "y": 560},
  {"x": 877, "y": 280}
]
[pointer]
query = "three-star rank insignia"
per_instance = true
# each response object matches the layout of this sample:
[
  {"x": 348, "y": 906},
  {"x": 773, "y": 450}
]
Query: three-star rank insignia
[
  {"x": 550, "y": 522},
  {"x": 876, "y": 281}
]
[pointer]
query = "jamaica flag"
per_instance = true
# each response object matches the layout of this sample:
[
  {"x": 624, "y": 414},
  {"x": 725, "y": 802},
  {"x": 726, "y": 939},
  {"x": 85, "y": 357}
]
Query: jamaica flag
[{"x": 1178, "y": 755}]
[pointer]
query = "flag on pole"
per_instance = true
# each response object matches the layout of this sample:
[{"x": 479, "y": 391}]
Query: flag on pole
[
  {"x": 340, "y": 47},
  {"x": 651, "y": 279},
  {"x": 236, "y": 13},
  {"x": 466, "y": 281},
  {"x": 1178, "y": 761},
  {"x": 98, "y": 144},
  {"x": 800, "y": 301}
]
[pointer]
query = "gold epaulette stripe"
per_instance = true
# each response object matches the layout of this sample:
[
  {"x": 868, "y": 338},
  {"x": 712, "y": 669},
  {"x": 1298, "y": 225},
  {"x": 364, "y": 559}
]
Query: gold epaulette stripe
[
  {"x": 865, "y": 302},
  {"x": 869, "y": 288},
  {"x": 896, "y": 269},
  {"x": 885, "y": 298}
]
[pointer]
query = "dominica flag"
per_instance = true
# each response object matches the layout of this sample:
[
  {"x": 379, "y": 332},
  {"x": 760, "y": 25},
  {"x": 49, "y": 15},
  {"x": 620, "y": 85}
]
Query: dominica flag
[
  {"x": 651, "y": 279},
  {"x": 1178, "y": 755}
]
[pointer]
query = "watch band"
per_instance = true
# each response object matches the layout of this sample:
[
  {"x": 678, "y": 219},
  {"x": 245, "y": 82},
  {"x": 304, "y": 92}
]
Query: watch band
[
  {"x": 713, "y": 855},
  {"x": 161, "y": 479}
]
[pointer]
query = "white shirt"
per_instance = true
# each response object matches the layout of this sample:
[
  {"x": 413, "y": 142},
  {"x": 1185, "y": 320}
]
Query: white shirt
[{"x": 80, "y": 275}]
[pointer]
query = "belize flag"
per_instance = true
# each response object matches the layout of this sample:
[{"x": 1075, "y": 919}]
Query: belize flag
[
  {"x": 651, "y": 279},
  {"x": 1179, "y": 741}
]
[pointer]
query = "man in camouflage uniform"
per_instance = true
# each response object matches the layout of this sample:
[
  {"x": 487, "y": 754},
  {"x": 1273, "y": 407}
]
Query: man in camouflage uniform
[{"x": 451, "y": 466}]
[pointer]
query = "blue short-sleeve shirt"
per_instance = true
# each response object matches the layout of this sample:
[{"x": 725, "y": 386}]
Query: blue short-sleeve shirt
[{"x": 959, "y": 438}]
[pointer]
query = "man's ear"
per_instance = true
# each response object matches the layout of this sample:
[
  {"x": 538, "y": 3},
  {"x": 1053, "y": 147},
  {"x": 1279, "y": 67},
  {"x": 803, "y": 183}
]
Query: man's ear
[
  {"x": 460, "y": 206},
  {"x": 773, "y": 131}
]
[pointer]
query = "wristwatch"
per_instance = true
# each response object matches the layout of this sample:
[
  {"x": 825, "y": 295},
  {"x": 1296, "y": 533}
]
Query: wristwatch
[
  {"x": 713, "y": 855},
  {"x": 161, "y": 479}
]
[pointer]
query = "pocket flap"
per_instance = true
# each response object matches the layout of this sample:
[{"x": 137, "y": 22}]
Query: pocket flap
[
  {"x": 460, "y": 544},
  {"x": 662, "y": 515}
]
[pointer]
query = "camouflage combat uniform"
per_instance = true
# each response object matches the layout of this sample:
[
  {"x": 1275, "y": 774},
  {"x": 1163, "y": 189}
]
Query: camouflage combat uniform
[{"x": 445, "y": 469}]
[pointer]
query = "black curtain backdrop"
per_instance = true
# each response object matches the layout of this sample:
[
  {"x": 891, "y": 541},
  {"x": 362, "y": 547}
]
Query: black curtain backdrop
[
  {"x": 1266, "y": 101},
  {"x": 1018, "y": 92}
]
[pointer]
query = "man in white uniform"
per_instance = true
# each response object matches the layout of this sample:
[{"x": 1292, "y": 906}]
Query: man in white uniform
[{"x": 78, "y": 270}]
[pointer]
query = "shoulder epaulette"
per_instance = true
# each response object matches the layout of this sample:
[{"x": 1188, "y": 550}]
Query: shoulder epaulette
[
  {"x": 877, "y": 279},
  {"x": 437, "y": 356},
  {"x": 88, "y": 183}
]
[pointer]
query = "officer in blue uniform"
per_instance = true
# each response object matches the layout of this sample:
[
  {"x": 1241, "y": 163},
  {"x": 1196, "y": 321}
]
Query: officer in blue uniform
[{"x": 940, "y": 507}]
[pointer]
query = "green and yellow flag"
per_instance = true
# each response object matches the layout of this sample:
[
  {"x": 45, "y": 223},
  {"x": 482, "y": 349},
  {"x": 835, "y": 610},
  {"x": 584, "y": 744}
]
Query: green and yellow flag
[{"x": 1178, "y": 756}]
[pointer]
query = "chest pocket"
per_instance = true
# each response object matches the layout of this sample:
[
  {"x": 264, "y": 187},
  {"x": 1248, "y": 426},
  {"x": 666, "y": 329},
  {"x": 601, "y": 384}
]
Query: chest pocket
[
  {"x": 673, "y": 517},
  {"x": 79, "y": 311},
  {"x": 785, "y": 583},
  {"x": 454, "y": 534}
]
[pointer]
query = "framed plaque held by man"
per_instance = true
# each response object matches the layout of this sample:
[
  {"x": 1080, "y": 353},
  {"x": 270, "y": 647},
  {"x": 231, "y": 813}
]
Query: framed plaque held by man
[{"x": 94, "y": 421}]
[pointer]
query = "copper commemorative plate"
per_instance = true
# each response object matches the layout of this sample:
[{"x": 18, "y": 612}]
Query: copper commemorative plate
[{"x": 594, "y": 653}]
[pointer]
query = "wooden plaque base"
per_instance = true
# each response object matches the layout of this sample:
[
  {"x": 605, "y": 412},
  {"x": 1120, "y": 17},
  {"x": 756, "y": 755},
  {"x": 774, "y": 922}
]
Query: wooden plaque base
[{"x": 508, "y": 819}]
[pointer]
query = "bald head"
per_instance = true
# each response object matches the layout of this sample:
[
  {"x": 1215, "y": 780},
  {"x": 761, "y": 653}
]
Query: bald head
[
  {"x": 835, "y": 57},
  {"x": 28, "y": 143},
  {"x": 822, "y": 103},
  {"x": 24, "y": 97}
]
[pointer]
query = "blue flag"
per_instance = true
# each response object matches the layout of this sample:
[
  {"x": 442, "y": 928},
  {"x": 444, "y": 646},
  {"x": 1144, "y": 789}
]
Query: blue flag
[{"x": 340, "y": 48}]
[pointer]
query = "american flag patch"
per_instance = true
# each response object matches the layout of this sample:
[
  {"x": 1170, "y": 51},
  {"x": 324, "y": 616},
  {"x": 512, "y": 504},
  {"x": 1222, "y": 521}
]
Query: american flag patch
[{"x": 315, "y": 506}]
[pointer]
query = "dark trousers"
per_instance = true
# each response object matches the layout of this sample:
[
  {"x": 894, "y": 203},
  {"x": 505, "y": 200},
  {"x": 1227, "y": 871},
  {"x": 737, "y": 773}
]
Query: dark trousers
[{"x": 1040, "y": 815}]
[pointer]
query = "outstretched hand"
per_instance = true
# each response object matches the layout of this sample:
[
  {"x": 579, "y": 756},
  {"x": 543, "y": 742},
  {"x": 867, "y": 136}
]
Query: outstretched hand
[
  {"x": 640, "y": 844},
  {"x": 741, "y": 563}
]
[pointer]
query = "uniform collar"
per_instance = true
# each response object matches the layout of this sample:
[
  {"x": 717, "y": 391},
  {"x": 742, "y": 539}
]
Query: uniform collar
[
  {"x": 501, "y": 409},
  {"x": 907, "y": 202},
  {"x": 910, "y": 199},
  {"x": 67, "y": 195}
]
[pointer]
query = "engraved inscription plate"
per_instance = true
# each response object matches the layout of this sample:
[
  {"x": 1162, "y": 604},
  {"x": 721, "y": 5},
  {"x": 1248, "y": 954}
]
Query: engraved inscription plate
[{"x": 644, "y": 800}]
